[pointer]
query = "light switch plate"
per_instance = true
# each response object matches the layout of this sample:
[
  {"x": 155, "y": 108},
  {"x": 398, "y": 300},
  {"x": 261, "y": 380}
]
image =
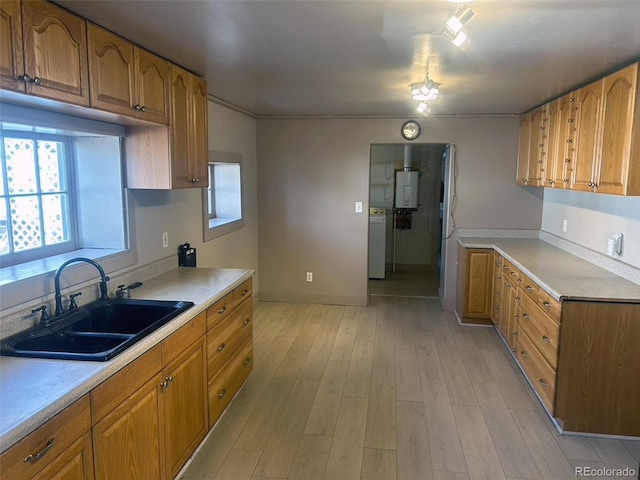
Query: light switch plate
[{"x": 358, "y": 207}]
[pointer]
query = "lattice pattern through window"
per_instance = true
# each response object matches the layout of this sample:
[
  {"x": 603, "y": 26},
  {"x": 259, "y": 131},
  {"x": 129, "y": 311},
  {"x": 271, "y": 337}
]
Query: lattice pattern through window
[{"x": 34, "y": 209}]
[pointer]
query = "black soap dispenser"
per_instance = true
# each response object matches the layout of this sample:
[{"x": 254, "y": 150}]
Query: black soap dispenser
[{"x": 186, "y": 255}]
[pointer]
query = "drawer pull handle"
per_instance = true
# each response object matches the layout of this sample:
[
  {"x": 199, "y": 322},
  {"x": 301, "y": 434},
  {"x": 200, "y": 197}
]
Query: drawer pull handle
[
  {"x": 526, "y": 316},
  {"x": 244, "y": 292},
  {"x": 513, "y": 274},
  {"x": 529, "y": 287},
  {"x": 222, "y": 310},
  {"x": 546, "y": 339},
  {"x": 246, "y": 322},
  {"x": 547, "y": 304},
  {"x": 222, "y": 394},
  {"x": 247, "y": 361},
  {"x": 543, "y": 383},
  {"x": 221, "y": 347},
  {"x": 524, "y": 354},
  {"x": 34, "y": 457}
]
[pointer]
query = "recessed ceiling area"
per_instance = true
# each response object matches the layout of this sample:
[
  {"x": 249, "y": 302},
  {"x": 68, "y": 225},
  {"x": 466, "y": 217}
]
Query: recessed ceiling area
[{"x": 357, "y": 58}]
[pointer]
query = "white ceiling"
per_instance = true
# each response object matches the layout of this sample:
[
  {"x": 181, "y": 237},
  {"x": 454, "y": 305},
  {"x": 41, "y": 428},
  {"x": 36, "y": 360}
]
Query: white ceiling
[{"x": 357, "y": 58}]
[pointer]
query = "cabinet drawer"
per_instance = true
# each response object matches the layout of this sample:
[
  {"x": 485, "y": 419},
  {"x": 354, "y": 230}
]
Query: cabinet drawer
[
  {"x": 539, "y": 372},
  {"x": 541, "y": 328},
  {"x": 225, "y": 338},
  {"x": 39, "y": 449},
  {"x": 117, "y": 388},
  {"x": 178, "y": 342},
  {"x": 224, "y": 386},
  {"x": 546, "y": 302},
  {"x": 219, "y": 310},
  {"x": 242, "y": 292}
]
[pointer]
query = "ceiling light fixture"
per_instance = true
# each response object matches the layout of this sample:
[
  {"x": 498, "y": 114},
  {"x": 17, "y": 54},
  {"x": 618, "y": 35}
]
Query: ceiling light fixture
[
  {"x": 459, "y": 19},
  {"x": 453, "y": 27},
  {"x": 425, "y": 91}
]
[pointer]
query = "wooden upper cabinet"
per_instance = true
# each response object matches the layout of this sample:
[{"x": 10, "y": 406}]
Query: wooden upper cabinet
[
  {"x": 589, "y": 102},
  {"x": 111, "y": 71},
  {"x": 188, "y": 129},
  {"x": 619, "y": 101},
  {"x": 560, "y": 164},
  {"x": 522, "y": 176},
  {"x": 55, "y": 53},
  {"x": 152, "y": 86},
  {"x": 11, "y": 52},
  {"x": 125, "y": 79},
  {"x": 547, "y": 167},
  {"x": 537, "y": 145}
]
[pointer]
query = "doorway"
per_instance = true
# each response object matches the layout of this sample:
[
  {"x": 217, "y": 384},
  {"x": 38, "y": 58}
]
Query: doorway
[{"x": 413, "y": 211}]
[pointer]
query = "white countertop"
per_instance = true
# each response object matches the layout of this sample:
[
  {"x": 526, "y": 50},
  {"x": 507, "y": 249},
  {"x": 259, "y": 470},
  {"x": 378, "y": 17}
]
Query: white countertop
[
  {"x": 34, "y": 390},
  {"x": 561, "y": 274}
]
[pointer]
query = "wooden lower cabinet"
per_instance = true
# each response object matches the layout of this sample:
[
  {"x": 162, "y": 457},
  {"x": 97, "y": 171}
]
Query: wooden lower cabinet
[
  {"x": 475, "y": 279},
  {"x": 184, "y": 400},
  {"x": 127, "y": 442},
  {"x": 599, "y": 368},
  {"x": 59, "y": 449}
]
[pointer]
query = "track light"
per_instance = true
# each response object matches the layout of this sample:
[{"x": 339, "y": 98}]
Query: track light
[
  {"x": 460, "y": 39},
  {"x": 459, "y": 19}
]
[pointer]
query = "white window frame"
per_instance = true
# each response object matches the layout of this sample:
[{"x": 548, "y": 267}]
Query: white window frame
[
  {"x": 25, "y": 282},
  {"x": 213, "y": 227}
]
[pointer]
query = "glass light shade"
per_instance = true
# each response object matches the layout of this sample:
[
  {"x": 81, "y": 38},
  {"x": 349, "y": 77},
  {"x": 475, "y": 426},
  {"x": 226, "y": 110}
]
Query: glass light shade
[
  {"x": 461, "y": 40},
  {"x": 416, "y": 91},
  {"x": 423, "y": 107},
  {"x": 459, "y": 19}
]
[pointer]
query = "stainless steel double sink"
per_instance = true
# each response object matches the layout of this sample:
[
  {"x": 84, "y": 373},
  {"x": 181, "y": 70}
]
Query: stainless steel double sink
[{"x": 97, "y": 331}]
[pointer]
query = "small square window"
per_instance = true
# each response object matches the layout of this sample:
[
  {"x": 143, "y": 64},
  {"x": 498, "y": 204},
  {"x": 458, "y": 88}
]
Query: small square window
[{"x": 222, "y": 200}]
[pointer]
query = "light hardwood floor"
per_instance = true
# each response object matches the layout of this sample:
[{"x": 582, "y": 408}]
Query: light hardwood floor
[{"x": 397, "y": 390}]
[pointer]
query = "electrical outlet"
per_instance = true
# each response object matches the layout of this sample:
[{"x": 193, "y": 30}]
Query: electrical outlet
[
  {"x": 309, "y": 276},
  {"x": 165, "y": 239},
  {"x": 564, "y": 225}
]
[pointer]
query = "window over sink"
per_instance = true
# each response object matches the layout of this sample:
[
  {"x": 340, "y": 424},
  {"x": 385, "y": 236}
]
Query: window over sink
[{"x": 62, "y": 195}]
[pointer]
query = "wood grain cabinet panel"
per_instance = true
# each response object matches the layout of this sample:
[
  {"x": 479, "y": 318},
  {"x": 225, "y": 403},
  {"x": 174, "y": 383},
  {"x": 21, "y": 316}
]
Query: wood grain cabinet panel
[
  {"x": 589, "y": 101},
  {"x": 522, "y": 175},
  {"x": 11, "y": 47},
  {"x": 125, "y": 79},
  {"x": 537, "y": 146},
  {"x": 58, "y": 449},
  {"x": 475, "y": 282},
  {"x": 55, "y": 53}
]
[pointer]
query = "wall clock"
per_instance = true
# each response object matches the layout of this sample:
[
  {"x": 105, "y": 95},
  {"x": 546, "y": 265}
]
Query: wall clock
[{"x": 410, "y": 130}]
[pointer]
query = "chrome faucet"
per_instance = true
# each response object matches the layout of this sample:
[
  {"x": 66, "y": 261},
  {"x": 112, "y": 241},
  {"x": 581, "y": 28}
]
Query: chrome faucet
[{"x": 103, "y": 280}]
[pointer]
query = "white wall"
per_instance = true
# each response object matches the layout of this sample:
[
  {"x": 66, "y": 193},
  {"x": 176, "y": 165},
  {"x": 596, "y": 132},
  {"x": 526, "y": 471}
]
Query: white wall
[
  {"x": 313, "y": 170},
  {"x": 592, "y": 219}
]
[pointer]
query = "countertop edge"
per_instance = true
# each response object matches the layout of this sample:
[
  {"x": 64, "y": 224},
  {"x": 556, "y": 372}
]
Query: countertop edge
[
  {"x": 97, "y": 372},
  {"x": 493, "y": 243}
]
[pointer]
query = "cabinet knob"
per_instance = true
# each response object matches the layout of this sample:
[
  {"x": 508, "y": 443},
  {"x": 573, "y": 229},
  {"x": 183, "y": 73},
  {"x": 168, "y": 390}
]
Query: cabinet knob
[
  {"x": 546, "y": 304},
  {"x": 570, "y": 120},
  {"x": 524, "y": 354},
  {"x": 572, "y": 99},
  {"x": 566, "y": 180},
  {"x": 529, "y": 288},
  {"x": 195, "y": 180},
  {"x": 142, "y": 108},
  {"x": 570, "y": 140},
  {"x": 552, "y": 182},
  {"x": 221, "y": 347},
  {"x": 222, "y": 394},
  {"x": 541, "y": 145},
  {"x": 567, "y": 160},
  {"x": 222, "y": 310},
  {"x": 543, "y": 383},
  {"x": 244, "y": 292},
  {"x": 524, "y": 315},
  {"x": 37, "y": 80},
  {"x": 247, "y": 361},
  {"x": 25, "y": 78},
  {"x": 246, "y": 322},
  {"x": 546, "y": 339}
]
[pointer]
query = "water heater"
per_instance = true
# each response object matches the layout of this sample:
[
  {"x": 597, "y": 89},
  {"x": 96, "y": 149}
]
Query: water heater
[{"x": 407, "y": 189}]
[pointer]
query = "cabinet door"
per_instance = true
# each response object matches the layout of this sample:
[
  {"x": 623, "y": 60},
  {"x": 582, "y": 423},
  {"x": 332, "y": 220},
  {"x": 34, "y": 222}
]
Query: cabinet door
[
  {"x": 185, "y": 406},
  {"x": 152, "y": 87},
  {"x": 563, "y": 148},
  {"x": 617, "y": 121},
  {"x": 199, "y": 149},
  {"x": 537, "y": 147},
  {"x": 496, "y": 289},
  {"x": 111, "y": 72},
  {"x": 479, "y": 284},
  {"x": 589, "y": 103},
  {"x": 129, "y": 437},
  {"x": 55, "y": 53},
  {"x": 179, "y": 125},
  {"x": 551, "y": 129},
  {"x": 11, "y": 54},
  {"x": 523, "y": 151}
]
